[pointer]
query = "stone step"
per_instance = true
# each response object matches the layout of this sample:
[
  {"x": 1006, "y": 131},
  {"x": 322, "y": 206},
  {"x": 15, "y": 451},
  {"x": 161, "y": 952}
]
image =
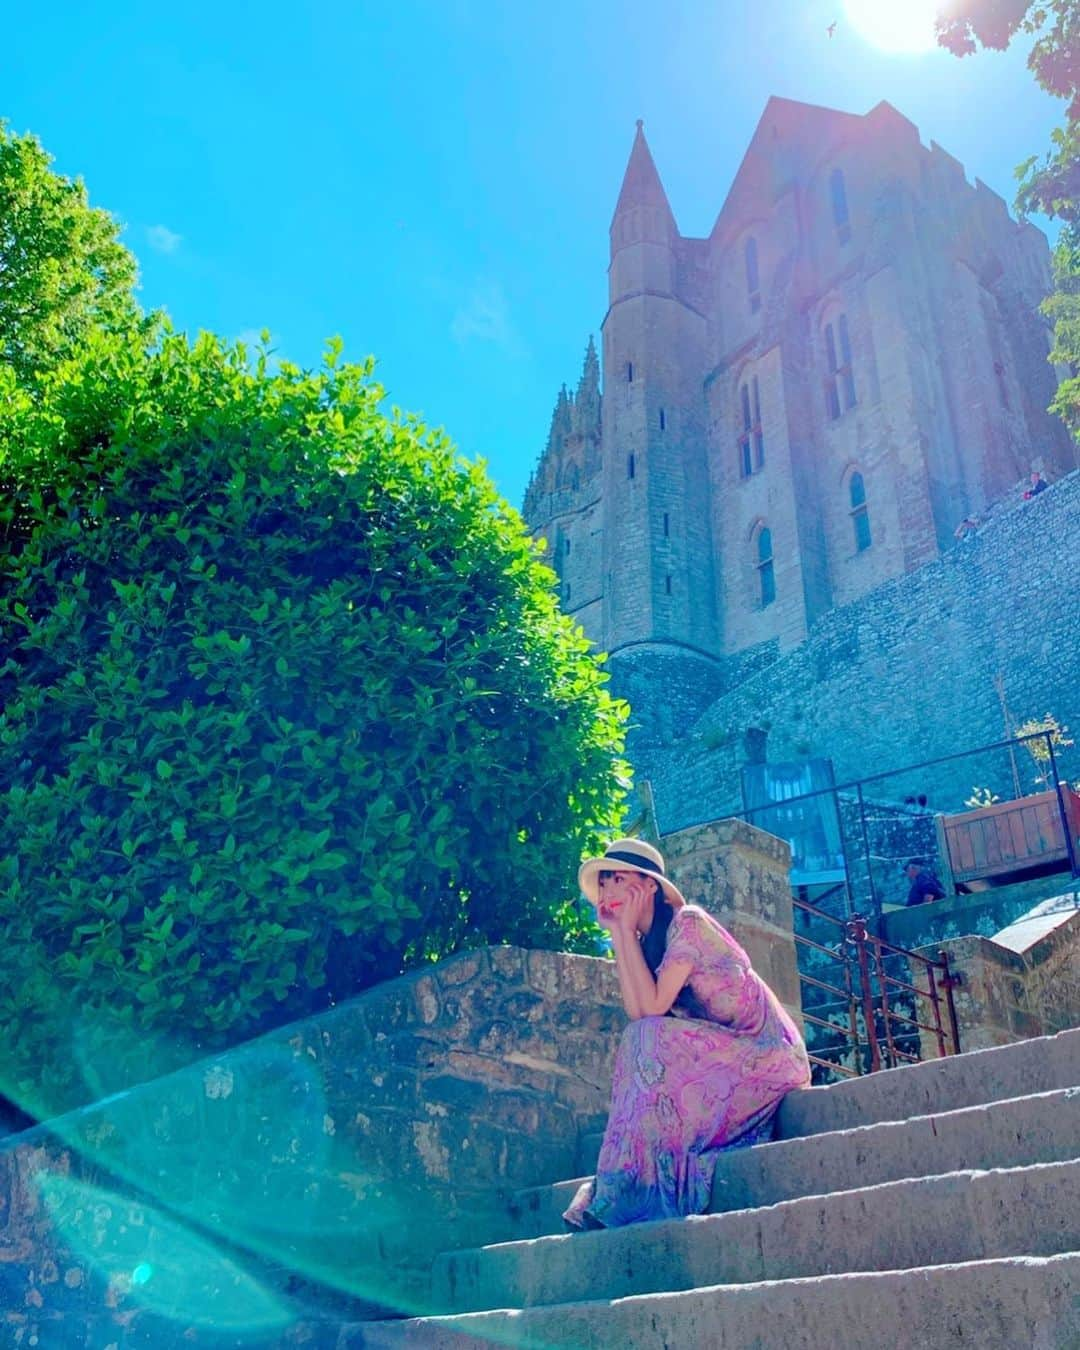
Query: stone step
[
  {"x": 1039, "y": 1065},
  {"x": 1013, "y": 1133},
  {"x": 956, "y": 1217},
  {"x": 1021, "y": 1070},
  {"x": 1019, "y": 1303}
]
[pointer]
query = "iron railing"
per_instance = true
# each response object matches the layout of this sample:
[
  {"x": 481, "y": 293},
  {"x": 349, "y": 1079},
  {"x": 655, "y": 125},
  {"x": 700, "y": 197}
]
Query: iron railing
[
  {"x": 858, "y": 858},
  {"x": 870, "y": 998}
]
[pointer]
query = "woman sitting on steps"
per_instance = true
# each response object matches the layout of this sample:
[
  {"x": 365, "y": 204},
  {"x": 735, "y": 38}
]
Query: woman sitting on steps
[{"x": 707, "y": 1058}]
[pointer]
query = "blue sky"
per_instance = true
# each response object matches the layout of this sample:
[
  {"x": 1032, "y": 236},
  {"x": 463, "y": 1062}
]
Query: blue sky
[{"x": 433, "y": 179}]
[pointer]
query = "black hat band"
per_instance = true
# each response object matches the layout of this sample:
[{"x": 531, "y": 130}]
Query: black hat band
[{"x": 646, "y": 864}]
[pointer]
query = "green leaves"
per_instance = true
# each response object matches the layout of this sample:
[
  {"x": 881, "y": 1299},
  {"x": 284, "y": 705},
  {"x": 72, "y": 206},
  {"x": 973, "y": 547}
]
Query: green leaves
[
  {"x": 63, "y": 270},
  {"x": 289, "y": 705}
]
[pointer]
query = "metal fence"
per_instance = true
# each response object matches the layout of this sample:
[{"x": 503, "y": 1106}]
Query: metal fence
[
  {"x": 878, "y": 1015},
  {"x": 860, "y": 870}
]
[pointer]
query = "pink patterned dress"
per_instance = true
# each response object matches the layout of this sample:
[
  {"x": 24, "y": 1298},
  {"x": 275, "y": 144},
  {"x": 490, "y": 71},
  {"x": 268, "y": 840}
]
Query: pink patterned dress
[{"x": 707, "y": 1077}]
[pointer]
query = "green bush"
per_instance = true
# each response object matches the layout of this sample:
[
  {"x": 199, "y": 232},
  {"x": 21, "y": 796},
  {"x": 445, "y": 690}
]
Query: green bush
[
  {"x": 63, "y": 271},
  {"x": 288, "y": 705}
]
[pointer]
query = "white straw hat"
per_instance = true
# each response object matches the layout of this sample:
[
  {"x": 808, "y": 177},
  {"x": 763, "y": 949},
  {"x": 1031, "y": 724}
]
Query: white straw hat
[{"x": 628, "y": 855}]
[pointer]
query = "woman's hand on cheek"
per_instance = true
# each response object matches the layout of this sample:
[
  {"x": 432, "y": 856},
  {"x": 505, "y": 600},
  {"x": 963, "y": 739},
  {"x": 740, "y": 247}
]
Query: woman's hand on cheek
[
  {"x": 630, "y": 914},
  {"x": 606, "y": 917}
]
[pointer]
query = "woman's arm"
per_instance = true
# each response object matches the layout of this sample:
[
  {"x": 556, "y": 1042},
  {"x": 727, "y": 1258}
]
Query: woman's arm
[{"x": 642, "y": 994}]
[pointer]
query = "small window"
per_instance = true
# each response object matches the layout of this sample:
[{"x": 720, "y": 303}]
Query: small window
[
  {"x": 766, "y": 573},
  {"x": 840, "y": 383},
  {"x": 1003, "y": 388},
  {"x": 667, "y": 525},
  {"x": 753, "y": 286},
  {"x": 752, "y": 440},
  {"x": 667, "y": 585},
  {"x": 663, "y": 420},
  {"x": 860, "y": 515},
  {"x": 629, "y": 466},
  {"x": 568, "y": 548},
  {"x": 629, "y": 372},
  {"x": 838, "y": 193}
]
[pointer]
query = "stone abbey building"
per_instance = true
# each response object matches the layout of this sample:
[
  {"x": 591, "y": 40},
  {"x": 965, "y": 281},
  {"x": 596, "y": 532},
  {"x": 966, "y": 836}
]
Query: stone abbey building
[
  {"x": 798, "y": 408},
  {"x": 805, "y": 403}
]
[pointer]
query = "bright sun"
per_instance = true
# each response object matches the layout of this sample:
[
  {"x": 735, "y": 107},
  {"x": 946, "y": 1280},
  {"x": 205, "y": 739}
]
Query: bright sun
[{"x": 894, "y": 25}]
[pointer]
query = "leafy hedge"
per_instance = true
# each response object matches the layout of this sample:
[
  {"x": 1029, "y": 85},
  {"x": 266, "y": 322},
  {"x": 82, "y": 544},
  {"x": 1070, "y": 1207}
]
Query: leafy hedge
[{"x": 288, "y": 705}]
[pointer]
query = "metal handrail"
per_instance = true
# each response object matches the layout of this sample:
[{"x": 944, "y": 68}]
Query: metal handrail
[{"x": 864, "y": 953}]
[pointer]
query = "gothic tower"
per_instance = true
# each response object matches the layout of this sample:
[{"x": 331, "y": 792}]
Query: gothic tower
[{"x": 657, "y": 552}]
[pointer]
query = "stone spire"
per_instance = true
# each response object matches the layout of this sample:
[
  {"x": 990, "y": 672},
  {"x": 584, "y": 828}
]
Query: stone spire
[
  {"x": 642, "y": 188},
  {"x": 587, "y": 398},
  {"x": 561, "y": 422}
]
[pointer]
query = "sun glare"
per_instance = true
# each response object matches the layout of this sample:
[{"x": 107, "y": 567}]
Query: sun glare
[{"x": 894, "y": 25}]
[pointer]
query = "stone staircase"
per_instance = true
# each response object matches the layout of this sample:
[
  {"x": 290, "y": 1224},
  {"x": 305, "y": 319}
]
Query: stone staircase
[{"x": 930, "y": 1206}]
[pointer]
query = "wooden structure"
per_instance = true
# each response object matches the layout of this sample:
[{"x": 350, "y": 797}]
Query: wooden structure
[{"x": 1009, "y": 837}]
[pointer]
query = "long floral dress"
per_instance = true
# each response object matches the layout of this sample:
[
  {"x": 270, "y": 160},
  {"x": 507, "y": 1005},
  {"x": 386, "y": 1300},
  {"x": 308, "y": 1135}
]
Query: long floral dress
[{"x": 705, "y": 1078}]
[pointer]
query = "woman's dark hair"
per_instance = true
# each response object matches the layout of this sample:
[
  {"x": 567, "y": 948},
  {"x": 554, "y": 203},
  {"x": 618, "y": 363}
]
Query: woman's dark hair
[{"x": 655, "y": 940}]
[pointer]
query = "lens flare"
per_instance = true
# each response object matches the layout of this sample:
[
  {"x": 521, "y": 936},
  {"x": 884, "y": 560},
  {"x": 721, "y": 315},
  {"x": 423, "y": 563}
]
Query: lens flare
[{"x": 894, "y": 25}]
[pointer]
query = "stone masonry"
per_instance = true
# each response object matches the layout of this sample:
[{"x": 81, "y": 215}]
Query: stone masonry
[
  {"x": 327, "y": 1162},
  {"x": 906, "y": 674},
  {"x": 805, "y": 403},
  {"x": 755, "y": 518}
]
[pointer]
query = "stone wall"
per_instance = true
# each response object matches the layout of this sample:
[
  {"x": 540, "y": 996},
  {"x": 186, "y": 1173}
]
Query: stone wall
[
  {"x": 328, "y": 1160},
  {"x": 1013, "y": 988},
  {"x": 326, "y": 1163},
  {"x": 740, "y": 874},
  {"x": 906, "y": 674}
]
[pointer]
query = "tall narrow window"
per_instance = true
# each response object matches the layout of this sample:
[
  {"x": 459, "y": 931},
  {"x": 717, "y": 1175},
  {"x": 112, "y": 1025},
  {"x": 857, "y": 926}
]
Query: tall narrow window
[
  {"x": 629, "y": 466},
  {"x": 1003, "y": 388},
  {"x": 667, "y": 585},
  {"x": 629, "y": 372},
  {"x": 860, "y": 516},
  {"x": 766, "y": 574},
  {"x": 752, "y": 440},
  {"x": 746, "y": 464},
  {"x": 667, "y": 525},
  {"x": 753, "y": 288},
  {"x": 840, "y": 383},
  {"x": 663, "y": 420},
  {"x": 568, "y": 548},
  {"x": 838, "y": 193}
]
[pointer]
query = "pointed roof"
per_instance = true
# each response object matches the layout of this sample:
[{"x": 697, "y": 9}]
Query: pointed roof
[
  {"x": 590, "y": 372},
  {"x": 587, "y": 398},
  {"x": 791, "y": 133},
  {"x": 560, "y": 421},
  {"x": 641, "y": 184}
]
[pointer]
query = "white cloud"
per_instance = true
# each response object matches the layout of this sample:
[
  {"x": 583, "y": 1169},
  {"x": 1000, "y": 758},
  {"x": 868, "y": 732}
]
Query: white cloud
[
  {"x": 162, "y": 239},
  {"x": 485, "y": 317}
]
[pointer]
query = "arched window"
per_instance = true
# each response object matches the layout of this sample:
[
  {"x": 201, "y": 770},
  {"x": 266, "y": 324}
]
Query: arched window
[
  {"x": 838, "y": 194},
  {"x": 752, "y": 440},
  {"x": 765, "y": 570},
  {"x": 753, "y": 288},
  {"x": 860, "y": 515},
  {"x": 840, "y": 381}
]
